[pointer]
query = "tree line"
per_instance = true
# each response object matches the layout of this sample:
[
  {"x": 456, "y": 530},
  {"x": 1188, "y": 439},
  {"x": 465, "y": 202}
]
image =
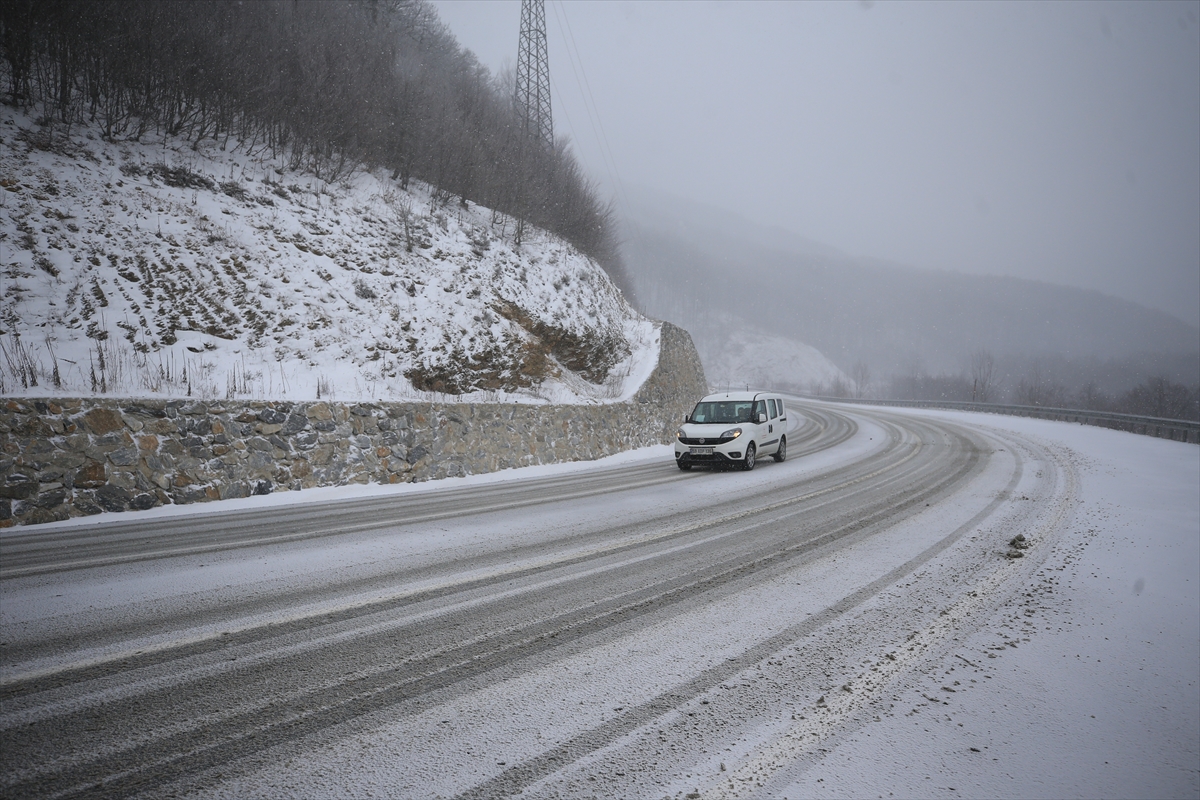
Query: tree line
[
  {"x": 1036, "y": 383},
  {"x": 329, "y": 85}
]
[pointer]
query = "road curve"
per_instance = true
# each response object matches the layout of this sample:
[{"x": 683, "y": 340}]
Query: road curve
[
  {"x": 29, "y": 551},
  {"x": 603, "y": 632}
]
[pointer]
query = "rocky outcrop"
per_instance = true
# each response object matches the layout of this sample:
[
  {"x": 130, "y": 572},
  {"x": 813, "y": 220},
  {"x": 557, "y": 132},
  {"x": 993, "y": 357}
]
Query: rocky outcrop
[{"x": 65, "y": 458}]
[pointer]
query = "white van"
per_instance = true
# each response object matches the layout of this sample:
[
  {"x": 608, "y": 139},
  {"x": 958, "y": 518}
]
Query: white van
[{"x": 732, "y": 429}]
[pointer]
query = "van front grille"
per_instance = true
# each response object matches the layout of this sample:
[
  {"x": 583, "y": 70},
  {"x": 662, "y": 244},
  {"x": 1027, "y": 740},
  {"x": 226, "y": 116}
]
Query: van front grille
[{"x": 707, "y": 441}]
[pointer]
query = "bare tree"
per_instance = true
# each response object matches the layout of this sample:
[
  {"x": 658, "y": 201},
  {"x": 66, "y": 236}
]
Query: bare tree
[
  {"x": 1036, "y": 389},
  {"x": 1159, "y": 397},
  {"x": 1091, "y": 398},
  {"x": 983, "y": 370},
  {"x": 861, "y": 375},
  {"x": 403, "y": 211},
  {"x": 327, "y": 86},
  {"x": 913, "y": 370},
  {"x": 838, "y": 388}
]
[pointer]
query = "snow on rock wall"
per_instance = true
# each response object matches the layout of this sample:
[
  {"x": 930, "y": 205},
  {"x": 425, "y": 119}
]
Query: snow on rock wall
[{"x": 68, "y": 458}]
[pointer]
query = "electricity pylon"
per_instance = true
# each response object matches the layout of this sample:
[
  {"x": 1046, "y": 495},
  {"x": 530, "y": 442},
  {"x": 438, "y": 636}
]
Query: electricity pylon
[{"x": 533, "y": 75}]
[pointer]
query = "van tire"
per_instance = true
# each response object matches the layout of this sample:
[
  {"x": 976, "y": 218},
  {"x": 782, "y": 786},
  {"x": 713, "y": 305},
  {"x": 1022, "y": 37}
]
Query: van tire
[
  {"x": 750, "y": 453},
  {"x": 684, "y": 464},
  {"x": 781, "y": 453}
]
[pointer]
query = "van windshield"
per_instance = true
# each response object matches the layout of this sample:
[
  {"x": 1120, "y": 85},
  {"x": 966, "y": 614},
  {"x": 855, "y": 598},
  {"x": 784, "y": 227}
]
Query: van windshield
[{"x": 723, "y": 412}]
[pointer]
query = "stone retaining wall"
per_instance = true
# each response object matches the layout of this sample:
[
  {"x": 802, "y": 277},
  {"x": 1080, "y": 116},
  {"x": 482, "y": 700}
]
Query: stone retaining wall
[{"x": 65, "y": 458}]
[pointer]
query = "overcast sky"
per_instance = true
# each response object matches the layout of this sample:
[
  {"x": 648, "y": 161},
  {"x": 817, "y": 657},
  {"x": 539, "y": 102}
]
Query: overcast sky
[{"x": 1055, "y": 141}]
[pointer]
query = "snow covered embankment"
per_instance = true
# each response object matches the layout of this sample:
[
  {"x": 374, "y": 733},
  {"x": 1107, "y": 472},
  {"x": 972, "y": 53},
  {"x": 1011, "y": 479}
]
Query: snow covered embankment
[
  {"x": 154, "y": 269},
  {"x": 740, "y": 356},
  {"x": 70, "y": 458}
]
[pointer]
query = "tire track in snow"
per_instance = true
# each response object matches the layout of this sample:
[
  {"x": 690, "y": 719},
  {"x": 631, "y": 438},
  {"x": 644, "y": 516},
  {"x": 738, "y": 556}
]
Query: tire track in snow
[
  {"x": 525, "y": 778},
  {"x": 973, "y": 607},
  {"x": 645, "y": 761},
  {"x": 188, "y": 634},
  {"x": 194, "y": 739},
  {"x": 915, "y": 500}
]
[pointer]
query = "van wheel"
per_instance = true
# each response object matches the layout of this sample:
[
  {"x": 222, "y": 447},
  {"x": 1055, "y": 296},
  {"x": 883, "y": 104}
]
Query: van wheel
[
  {"x": 750, "y": 450},
  {"x": 684, "y": 464},
  {"x": 781, "y": 453}
]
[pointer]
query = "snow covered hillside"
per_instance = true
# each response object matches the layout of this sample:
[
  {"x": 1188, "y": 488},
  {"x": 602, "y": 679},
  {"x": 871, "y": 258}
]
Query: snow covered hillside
[
  {"x": 152, "y": 269},
  {"x": 744, "y": 357}
]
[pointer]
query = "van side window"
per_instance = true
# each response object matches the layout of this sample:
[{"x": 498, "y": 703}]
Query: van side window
[
  {"x": 774, "y": 409},
  {"x": 781, "y": 411},
  {"x": 760, "y": 408}
]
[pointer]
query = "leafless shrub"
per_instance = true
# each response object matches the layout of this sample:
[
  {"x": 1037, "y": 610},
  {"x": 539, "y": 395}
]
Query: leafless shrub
[
  {"x": 19, "y": 361},
  {"x": 238, "y": 380},
  {"x": 55, "y": 377},
  {"x": 363, "y": 291},
  {"x": 235, "y": 190},
  {"x": 403, "y": 210},
  {"x": 45, "y": 265},
  {"x": 181, "y": 177}
]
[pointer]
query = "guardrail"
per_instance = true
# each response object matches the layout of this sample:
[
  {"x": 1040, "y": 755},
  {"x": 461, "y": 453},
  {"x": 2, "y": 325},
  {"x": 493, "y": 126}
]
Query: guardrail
[{"x": 1180, "y": 430}]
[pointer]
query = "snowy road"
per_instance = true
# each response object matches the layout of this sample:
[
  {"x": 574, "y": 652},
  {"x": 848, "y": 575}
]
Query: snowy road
[{"x": 616, "y": 631}]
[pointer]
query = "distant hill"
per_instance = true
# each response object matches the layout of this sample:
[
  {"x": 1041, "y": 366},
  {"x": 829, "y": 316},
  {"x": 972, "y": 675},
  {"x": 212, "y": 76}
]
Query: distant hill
[{"x": 688, "y": 263}]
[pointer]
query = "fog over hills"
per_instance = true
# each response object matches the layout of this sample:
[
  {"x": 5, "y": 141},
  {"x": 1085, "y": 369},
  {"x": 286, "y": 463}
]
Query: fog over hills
[{"x": 710, "y": 271}]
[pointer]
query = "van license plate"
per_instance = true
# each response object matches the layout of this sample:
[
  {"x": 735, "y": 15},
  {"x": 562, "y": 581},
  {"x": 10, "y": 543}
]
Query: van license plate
[{"x": 701, "y": 451}]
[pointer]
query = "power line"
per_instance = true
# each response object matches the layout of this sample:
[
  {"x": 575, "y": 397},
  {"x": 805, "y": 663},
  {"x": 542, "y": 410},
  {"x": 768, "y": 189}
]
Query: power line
[
  {"x": 589, "y": 102},
  {"x": 594, "y": 117}
]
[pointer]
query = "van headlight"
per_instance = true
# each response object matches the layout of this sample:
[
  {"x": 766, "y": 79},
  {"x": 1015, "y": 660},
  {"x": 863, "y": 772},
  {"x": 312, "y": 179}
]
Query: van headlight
[
  {"x": 732, "y": 433},
  {"x": 679, "y": 433}
]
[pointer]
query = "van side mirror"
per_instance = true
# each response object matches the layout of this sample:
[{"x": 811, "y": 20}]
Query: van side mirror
[
  {"x": 762, "y": 417},
  {"x": 687, "y": 418}
]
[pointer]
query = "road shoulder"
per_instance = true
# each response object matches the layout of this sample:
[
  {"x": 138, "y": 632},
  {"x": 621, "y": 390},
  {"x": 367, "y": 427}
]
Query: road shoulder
[{"x": 1085, "y": 684}]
